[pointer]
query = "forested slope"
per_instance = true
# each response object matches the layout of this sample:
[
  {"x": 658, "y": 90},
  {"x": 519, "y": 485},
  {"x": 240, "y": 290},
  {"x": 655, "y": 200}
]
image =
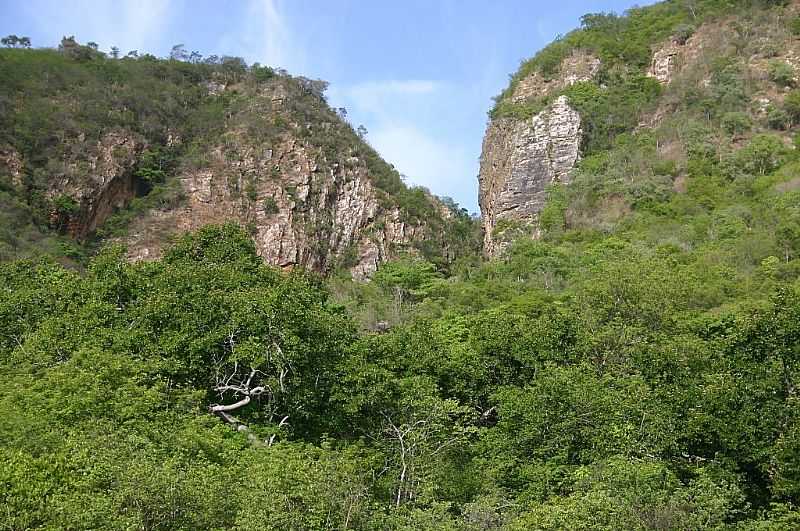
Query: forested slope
[{"x": 634, "y": 366}]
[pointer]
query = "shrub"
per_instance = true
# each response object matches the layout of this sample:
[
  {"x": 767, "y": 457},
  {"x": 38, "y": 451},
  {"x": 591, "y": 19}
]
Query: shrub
[
  {"x": 794, "y": 26},
  {"x": 65, "y": 205},
  {"x": 792, "y": 105},
  {"x": 736, "y": 122},
  {"x": 270, "y": 206},
  {"x": 763, "y": 155},
  {"x": 683, "y": 33},
  {"x": 778, "y": 118},
  {"x": 781, "y": 73}
]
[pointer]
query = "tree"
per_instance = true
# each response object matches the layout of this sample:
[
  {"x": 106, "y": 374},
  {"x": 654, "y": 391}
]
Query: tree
[
  {"x": 115, "y": 52},
  {"x": 10, "y": 41},
  {"x": 178, "y": 53},
  {"x": 417, "y": 432},
  {"x": 792, "y": 106},
  {"x": 407, "y": 280},
  {"x": 736, "y": 123},
  {"x": 362, "y": 132},
  {"x": 781, "y": 73},
  {"x": 317, "y": 87},
  {"x": 762, "y": 155},
  {"x": 75, "y": 51},
  {"x": 682, "y": 33}
]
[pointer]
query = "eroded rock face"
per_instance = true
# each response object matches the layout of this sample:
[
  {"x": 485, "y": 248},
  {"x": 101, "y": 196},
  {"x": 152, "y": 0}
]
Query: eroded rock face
[
  {"x": 11, "y": 164},
  {"x": 301, "y": 209},
  {"x": 676, "y": 55},
  {"x": 663, "y": 63},
  {"x": 100, "y": 184},
  {"x": 520, "y": 159},
  {"x": 580, "y": 66},
  {"x": 306, "y": 195}
]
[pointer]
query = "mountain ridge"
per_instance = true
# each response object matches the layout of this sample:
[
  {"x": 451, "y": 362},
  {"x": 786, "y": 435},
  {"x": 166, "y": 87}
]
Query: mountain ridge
[{"x": 202, "y": 136}]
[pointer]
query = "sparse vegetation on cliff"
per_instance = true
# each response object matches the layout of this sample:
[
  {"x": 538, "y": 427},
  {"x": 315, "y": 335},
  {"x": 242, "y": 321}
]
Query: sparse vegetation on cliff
[{"x": 70, "y": 114}]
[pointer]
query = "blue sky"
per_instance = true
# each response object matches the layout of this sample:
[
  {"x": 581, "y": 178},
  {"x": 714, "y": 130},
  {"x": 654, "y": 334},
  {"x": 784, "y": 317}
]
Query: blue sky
[{"x": 419, "y": 74}]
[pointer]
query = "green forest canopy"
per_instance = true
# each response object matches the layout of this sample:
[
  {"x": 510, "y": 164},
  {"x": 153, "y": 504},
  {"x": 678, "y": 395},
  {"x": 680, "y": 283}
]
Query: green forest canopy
[{"x": 635, "y": 368}]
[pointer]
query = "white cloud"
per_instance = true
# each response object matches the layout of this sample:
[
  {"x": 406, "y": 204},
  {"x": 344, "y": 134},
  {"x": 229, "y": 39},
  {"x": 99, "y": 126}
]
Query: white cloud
[
  {"x": 426, "y": 161},
  {"x": 383, "y": 97},
  {"x": 265, "y": 37},
  {"x": 400, "y": 116},
  {"x": 394, "y": 87}
]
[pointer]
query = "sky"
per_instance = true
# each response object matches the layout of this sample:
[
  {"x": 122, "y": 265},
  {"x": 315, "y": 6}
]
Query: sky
[{"x": 418, "y": 74}]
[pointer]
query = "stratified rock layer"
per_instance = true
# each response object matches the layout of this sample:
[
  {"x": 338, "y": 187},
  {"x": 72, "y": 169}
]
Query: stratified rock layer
[
  {"x": 281, "y": 163},
  {"x": 301, "y": 210}
]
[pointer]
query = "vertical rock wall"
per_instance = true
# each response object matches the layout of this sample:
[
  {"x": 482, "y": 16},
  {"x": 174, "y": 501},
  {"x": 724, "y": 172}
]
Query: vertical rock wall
[{"x": 520, "y": 158}]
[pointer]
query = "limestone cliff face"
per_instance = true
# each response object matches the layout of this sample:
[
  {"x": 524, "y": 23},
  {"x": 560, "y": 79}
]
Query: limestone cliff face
[
  {"x": 520, "y": 158},
  {"x": 11, "y": 164},
  {"x": 278, "y": 161},
  {"x": 579, "y": 66}
]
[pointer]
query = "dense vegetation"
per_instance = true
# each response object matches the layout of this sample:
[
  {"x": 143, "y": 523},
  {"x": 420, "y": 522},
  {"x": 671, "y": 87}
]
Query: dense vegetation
[
  {"x": 616, "y": 386},
  {"x": 624, "y": 45},
  {"x": 635, "y": 368}
]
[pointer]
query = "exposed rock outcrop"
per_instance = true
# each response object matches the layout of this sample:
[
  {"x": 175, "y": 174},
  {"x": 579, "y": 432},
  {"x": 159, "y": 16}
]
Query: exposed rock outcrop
[
  {"x": 306, "y": 213},
  {"x": 99, "y": 184},
  {"x": 221, "y": 143},
  {"x": 577, "y": 67},
  {"x": 677, "y": 54},
  {"x": 302, "y": 205},
  {"x": 663, "y": 63},
  {"x": 520, "y": 158},
  {"x": 11, "y": 164}
]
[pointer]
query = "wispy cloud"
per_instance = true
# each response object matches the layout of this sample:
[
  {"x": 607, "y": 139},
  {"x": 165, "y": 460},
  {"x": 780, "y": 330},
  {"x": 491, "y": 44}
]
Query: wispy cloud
[
  {"x": 400, "y": 116},
  {"x": 426, "y": 160},
  {"x": 394, "y": 87},
  {"x": 265, "y": 36},
  {"x": 382, "y": 98}
]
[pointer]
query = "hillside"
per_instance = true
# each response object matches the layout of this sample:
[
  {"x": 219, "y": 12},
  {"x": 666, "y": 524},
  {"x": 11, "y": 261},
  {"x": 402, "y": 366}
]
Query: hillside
[
  {"x": 622, "y": 355},
  {"x": 139, "y": 149}
]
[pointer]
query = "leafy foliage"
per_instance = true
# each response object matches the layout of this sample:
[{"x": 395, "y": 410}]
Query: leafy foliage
[{"x": 634, "y": 368}]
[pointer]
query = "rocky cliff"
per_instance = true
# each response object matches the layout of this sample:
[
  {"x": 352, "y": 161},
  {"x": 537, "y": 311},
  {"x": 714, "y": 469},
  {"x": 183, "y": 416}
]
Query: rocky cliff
[
  {"x": 177, "y": 145},
  {"x": 301, "y": 207},
  {"x": 644, "y": 99},
  {"x": 521, "y": 156}
]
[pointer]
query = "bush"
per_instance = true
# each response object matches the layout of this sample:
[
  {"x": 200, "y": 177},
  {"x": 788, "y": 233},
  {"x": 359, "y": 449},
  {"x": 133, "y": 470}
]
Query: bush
[
  {"x": 792, "y": 105},
  {"x": 763, "y": 155},
  {"x": 270, "y": 206},
  {"x": 683, "y": 33},
  {"x": 778, "y": 118},
  {"x": 65, "y": 205},
  {"x": 794, "y": 26},
  {"x": 736, "y": 122},
  {"x": 781, "y": 73}
]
